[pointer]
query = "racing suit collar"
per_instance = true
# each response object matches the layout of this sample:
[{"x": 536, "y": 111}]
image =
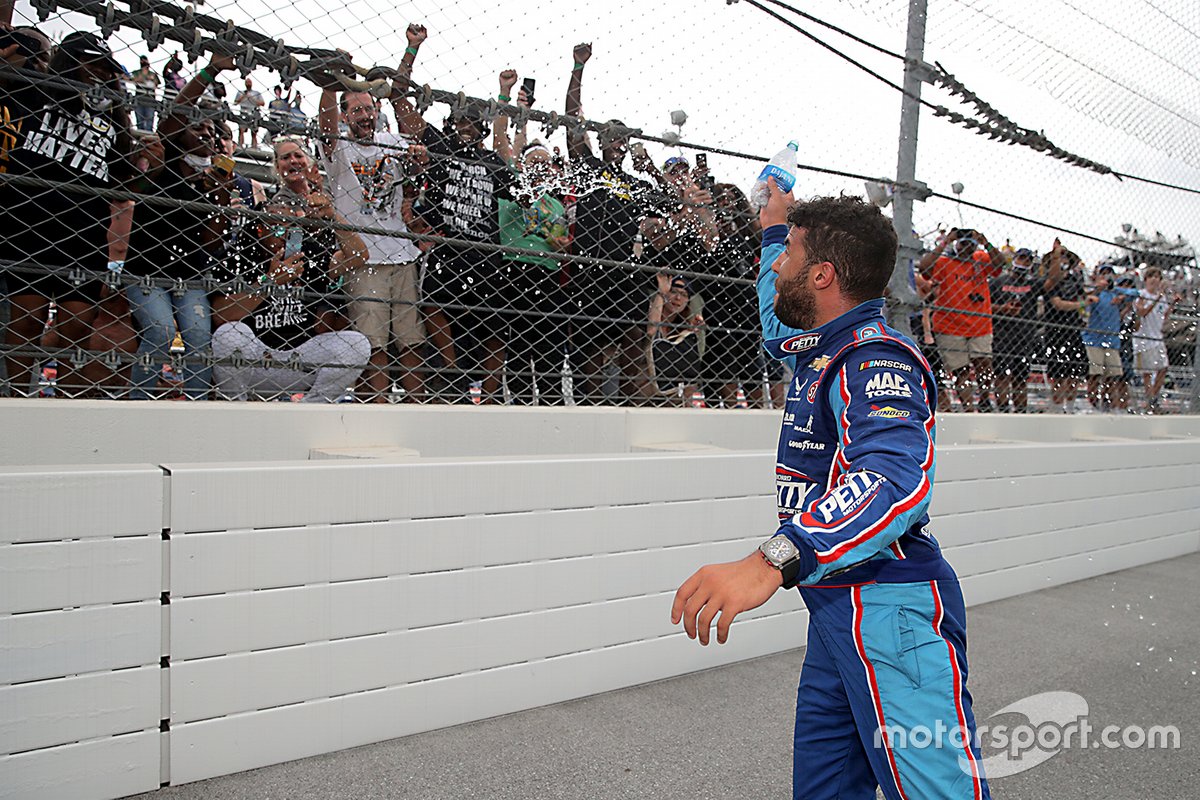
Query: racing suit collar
[{"x": 807, "y": 345}]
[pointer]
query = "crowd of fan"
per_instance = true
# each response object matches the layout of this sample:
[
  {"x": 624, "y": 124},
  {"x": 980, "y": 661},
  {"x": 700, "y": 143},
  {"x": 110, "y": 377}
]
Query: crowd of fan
[
  {"x": 323, "y": 286},
  {"x": 991, "y": 314}
]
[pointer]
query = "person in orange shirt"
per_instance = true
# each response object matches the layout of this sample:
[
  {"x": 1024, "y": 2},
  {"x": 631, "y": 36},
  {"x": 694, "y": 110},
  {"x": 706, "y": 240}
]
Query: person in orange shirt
[{"x": 962, "y": 316}]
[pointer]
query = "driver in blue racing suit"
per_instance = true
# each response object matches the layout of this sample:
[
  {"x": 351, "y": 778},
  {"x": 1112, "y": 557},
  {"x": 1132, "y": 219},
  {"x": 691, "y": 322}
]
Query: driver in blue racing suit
[{"x": 883, "y": 700}]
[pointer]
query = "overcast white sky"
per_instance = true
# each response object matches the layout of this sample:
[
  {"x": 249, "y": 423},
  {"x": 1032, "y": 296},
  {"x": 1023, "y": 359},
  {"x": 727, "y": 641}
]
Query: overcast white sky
[{"x": 1114, "y": 80}]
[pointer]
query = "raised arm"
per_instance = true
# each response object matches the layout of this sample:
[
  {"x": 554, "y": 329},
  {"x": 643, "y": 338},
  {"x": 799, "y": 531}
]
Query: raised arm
[
  {"x": 500, "y": 140},
  {"x": 929, "y": 259},
  {"x": 997, "y": 258},
  {"x": 655, "y": 312},
  {"x": 773, "y": 218},
  {"x": 407, "y": 118},
  {"x": 577, "y": 143},
  {"x": 173, "y": 123},
  {"x": 329, "y": 115}
]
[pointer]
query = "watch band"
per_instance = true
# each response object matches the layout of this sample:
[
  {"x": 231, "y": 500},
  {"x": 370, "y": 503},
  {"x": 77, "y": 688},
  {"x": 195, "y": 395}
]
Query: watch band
[{"x": 791, "y": 573}]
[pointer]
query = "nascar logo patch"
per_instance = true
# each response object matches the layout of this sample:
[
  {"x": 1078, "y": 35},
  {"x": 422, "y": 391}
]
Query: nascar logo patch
[{"x": 883, "y": 363}]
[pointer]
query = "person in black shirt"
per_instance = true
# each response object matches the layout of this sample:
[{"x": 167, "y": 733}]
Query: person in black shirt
[
  {"x": 281, "y": 296},
  {"x": 172, "y": 248},
  {"x": 735, "y": 355},
  {"x": 465, "y": 183},
  {"x": 1066, "y": 359},
  {"x": 612, "y": 206},
  {"x": 1014, "y": 302},
  {"x": 58, "y": 239}
]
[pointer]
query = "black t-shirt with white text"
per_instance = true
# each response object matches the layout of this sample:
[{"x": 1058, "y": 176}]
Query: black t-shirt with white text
[
  {"x": 466, "y": 185},
  {"x": 60, "y": 138},
  {"x": 287, "y": 315}
]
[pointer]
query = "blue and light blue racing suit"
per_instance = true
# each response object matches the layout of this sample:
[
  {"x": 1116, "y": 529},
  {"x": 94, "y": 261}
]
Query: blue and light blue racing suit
[{"x": 886, "y": 658}]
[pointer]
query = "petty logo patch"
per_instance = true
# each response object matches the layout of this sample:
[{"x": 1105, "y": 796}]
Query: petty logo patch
[{"x": 796, "y": 344}]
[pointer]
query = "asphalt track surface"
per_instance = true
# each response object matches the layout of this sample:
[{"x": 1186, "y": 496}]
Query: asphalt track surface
[{"x": 1128, "y": 642}]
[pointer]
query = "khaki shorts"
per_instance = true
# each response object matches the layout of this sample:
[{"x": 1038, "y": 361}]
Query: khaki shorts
[
  {"x": 958, "y": 351},
  {"x": 1105, "y": 361},
  {"x": 1152, "y": 359},
  {"x": 384, "y": 296}
]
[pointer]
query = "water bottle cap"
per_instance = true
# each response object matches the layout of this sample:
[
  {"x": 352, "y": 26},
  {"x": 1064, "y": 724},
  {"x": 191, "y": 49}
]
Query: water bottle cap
[{"x": 793, "y": 145}]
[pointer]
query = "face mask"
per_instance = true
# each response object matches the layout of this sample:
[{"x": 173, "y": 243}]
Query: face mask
[{"x": 197, "y": 162}]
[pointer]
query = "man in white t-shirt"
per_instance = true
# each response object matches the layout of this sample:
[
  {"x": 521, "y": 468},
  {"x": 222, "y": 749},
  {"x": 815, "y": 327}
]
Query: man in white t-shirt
[
  {"x": 248, "y": 101},
  {"x": 366, "y": 171},
  {"x": 1149, "y": 351}
]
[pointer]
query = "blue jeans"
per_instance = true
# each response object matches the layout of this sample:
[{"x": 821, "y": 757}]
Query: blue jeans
[
  {"x": 145, "y": 117},
  {"x": 156, "y": 312}
]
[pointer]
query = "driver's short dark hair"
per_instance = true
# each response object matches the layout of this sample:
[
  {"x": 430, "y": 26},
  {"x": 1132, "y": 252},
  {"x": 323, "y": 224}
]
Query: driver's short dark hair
[{"x": 854, "y": 236}]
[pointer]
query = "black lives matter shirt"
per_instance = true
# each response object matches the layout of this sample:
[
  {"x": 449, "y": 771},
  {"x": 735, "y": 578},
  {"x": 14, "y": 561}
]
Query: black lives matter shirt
[
  {"x": 287, "y": 315},
  {"x": 58, "y": 138}
]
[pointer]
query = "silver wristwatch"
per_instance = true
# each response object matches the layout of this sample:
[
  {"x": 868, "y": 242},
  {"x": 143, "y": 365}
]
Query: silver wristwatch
[{"x": 783, "y": 555}]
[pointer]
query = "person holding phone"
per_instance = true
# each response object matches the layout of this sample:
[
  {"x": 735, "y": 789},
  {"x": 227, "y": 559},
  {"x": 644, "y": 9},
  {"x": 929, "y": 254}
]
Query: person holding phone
[
  {"x": 466, "y": 181},
  {"x": 962, "y": 317},
  {"x": 172, "y": 248},
  {"x": 281, "y": 306},
  {"x": 534, "y": 219}
]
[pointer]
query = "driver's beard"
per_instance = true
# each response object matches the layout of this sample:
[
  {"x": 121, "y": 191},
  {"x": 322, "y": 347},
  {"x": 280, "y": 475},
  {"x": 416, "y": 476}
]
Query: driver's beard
[{"x": 795, "y": 306}]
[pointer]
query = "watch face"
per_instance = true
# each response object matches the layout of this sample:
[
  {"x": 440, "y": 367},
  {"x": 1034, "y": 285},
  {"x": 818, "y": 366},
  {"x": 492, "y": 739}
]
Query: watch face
[{"x": 779, "y": 549}]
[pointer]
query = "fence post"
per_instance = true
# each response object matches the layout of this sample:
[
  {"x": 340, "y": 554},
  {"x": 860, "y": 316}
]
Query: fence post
[{"x": 903, "y": 292}]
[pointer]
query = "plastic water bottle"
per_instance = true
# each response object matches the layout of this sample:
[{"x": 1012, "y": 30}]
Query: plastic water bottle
[{"x": 782, "y": 167}]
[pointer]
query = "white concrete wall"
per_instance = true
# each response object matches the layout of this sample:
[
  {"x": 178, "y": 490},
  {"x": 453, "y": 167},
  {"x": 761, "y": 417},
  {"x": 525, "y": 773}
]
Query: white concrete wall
[
  {"x": 108, "y": 432},
  {"x": 320, "y": 605}
]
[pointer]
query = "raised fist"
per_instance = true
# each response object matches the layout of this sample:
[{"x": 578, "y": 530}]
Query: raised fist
[
  {"x": 508, "y": 79},
  {"x": 416, "y": 34}
]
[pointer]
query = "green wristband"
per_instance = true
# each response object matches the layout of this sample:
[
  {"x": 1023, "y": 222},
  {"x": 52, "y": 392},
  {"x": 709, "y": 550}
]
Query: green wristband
[
  {"x": 203, "y": 75},
  {"x": 577, "y": 67},
  {"x": 503, "y": 98},
  {"x": 412, "y": 51}
]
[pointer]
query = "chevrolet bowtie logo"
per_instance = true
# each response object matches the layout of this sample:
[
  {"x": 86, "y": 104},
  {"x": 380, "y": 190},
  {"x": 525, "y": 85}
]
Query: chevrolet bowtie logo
[{"x": 820, "y": 362}]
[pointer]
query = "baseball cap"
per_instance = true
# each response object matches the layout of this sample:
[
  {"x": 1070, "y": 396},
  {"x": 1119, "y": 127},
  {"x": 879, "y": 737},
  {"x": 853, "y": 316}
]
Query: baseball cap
[
  {"x": 681, "y": 283},
  {"x": 673, "y": 162},
  {"x": 1106, "y": 268},
  {"x": 84, "y": 47},
  {"x": 1024, "y": 252}
]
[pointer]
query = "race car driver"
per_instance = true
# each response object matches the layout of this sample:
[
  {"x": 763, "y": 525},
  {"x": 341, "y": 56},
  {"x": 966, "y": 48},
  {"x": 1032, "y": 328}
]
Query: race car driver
[{"x": 886, "y": 653}]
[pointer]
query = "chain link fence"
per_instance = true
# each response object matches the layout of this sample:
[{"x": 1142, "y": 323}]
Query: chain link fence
[{"x": 353, "y": 201}]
